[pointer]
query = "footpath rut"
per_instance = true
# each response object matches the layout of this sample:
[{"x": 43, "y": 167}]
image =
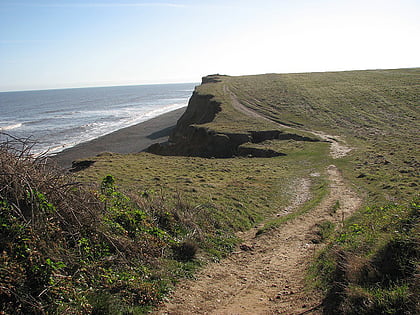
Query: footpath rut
[
  {"x": 338, "y": 146},
  {"x": 266, "y": 274}
]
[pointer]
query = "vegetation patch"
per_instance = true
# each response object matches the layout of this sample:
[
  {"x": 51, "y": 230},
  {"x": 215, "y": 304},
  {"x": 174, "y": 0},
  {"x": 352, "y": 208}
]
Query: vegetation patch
[
  {"x": 318, "y": 193},
  {"x": 68, "y": 249},
  {"x": 370, "y": 265}
]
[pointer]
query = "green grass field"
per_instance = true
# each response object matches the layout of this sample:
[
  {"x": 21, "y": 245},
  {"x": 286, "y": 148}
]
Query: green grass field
[
  {"x": 376, "y": 112},
  {"x": 240, "y": 192},
  {"x": 191, "y": 207}
]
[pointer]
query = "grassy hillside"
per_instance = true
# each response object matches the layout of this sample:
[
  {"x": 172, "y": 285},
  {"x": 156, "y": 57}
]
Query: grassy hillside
[
  {"x": 375, "y": 112},
  {"x": 150, "y": 220}
]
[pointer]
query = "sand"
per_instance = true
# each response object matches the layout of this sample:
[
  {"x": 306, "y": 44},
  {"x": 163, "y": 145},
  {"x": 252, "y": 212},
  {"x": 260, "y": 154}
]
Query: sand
[{"x": 131, "y": 139}]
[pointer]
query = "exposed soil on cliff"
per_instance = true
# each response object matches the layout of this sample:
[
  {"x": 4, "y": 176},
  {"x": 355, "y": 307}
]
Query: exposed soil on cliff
[{"x": 266, "y": 274}]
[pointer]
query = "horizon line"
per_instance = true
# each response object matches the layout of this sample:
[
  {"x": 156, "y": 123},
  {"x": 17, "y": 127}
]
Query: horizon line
[
  {"x": 94, "y": 85},
  {"x": 90, "y": 86}
]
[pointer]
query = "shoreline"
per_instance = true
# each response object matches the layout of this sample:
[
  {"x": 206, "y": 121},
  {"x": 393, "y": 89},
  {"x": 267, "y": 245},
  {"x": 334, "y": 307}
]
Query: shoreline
[{"x": 131, "y": 139}]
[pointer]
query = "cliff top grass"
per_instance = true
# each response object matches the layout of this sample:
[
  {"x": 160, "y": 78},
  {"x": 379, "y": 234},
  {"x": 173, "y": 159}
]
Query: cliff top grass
[
  {"x": 240, "y": 191},
  {"x": 230, "y": 119},
  {"x": 375, "y": 111},
  {"x": 363, "y": 103}
]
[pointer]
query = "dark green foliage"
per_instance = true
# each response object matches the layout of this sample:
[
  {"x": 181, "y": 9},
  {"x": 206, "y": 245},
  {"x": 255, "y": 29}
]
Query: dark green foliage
[
  {"x": 396, "y": 260},
  {"x": 324, "y": 230},
  {"x": 185, "y": 251},
  {"x": 107, "y": 185},
  {"x": 64, "y": 249}
]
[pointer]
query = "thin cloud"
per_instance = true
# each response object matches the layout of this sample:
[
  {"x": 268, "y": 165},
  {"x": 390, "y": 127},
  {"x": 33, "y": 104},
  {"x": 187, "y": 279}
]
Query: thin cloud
[
  {"x": 102, "y": 5},
  {"x": 22, "y": 41},
  {"x": 123, "y": 4}
]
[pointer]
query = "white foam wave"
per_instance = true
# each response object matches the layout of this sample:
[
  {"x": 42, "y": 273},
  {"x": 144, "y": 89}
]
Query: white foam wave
[
  {"x": 153, "y": 113},
  {"x": 101, "y": 129},
  {"x": 10, "y": 127}
]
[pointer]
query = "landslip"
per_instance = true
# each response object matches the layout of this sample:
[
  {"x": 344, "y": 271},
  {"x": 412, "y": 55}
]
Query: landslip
[{"x": 216, "y": 125}]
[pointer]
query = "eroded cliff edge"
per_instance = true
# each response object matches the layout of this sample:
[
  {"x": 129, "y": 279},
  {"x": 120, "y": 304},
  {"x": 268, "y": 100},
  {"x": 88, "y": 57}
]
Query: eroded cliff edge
[{"x": 197, "y": 134}]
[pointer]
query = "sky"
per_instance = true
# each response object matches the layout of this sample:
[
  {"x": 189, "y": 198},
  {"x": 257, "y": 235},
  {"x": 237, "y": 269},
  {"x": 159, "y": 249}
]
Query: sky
[{"x": 78, "y": 43}]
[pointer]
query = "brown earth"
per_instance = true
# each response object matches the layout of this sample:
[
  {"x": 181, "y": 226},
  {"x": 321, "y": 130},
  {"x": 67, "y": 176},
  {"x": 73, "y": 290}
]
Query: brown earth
[{"x": 266, "y": 274}]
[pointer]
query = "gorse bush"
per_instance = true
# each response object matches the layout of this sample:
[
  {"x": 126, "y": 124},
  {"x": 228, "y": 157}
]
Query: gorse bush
[{"x": 69, "y": 249}]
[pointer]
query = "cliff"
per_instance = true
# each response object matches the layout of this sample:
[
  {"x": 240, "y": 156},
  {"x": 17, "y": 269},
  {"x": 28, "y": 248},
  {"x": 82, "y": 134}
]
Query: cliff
[{"x": 197, "y": 134}]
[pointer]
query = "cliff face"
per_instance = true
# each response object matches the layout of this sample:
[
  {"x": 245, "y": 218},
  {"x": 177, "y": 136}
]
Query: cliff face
[
  {"x": 201, "y": 109},
  {"x": 190, "y": 138}
]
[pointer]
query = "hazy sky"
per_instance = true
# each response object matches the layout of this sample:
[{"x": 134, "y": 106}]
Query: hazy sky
[{"x": 72, "y": 43}]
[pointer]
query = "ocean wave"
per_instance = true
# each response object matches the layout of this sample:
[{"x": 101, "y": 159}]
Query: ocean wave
[
  {"x": 129, "y": 118},
  {"x": 37, "y": 121},
  {"x": 97, "y": 129},
  {"x": 10, "y": 127},
  {"x": 63, "y": 118}
]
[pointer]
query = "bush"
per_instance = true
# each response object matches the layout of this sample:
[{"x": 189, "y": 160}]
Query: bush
[
  {"x": 185, "y": 251},
  {"x": 65, "y": 248}
]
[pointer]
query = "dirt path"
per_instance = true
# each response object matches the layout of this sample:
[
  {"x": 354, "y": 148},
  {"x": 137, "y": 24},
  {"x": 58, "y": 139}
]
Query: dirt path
[
  {"x": 338, "y": 145},
  {"x": 265, "y": 275}
]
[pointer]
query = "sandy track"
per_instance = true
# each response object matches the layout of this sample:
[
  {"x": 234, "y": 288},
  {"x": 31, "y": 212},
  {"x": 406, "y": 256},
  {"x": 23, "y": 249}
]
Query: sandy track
[{"x": 266, "y": 274}]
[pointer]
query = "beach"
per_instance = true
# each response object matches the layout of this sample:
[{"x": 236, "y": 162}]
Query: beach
[{"x": 131, "y": 139}]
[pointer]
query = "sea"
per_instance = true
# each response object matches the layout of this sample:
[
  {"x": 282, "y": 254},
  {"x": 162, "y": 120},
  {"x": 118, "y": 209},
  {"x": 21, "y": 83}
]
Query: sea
[{"x": 58, "y": 119}]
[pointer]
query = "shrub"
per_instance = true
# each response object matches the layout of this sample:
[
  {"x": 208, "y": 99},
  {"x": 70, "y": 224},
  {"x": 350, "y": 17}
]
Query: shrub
[
  {"x": 65, "y": 248},
  {"x": 185, "y": 251}
]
